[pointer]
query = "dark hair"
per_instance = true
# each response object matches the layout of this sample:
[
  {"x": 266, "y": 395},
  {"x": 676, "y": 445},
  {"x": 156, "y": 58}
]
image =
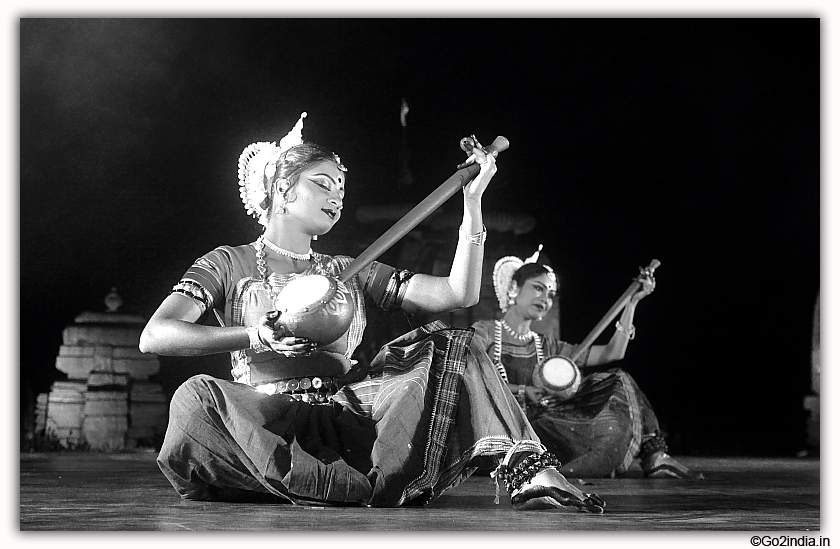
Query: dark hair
[
  {"x": 527, "y": 272},
  {"x": 296, "y": 160}
]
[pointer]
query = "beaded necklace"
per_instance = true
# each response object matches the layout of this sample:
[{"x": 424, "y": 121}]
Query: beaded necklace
[
  {"x": 497, "y": 358},
  {"x": 261, "y": 267},
  {"x": 516, "y": 335}
]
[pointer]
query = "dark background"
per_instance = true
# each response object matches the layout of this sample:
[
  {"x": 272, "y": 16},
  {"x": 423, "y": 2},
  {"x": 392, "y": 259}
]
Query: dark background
[{"x": 693, "y": 141}]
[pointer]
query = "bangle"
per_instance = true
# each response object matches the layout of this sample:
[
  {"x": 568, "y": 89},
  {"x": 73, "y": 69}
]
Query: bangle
[
  {"x": 631, "y": 333},
  {"x": 256, "y": 343},
  {"x": 477, "y": 238}
]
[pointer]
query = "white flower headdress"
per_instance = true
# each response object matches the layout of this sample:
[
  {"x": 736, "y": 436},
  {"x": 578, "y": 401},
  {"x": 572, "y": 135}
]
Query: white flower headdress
[
  {"x": 503, "y": 273},
  {"x": 257, "y": 166}
]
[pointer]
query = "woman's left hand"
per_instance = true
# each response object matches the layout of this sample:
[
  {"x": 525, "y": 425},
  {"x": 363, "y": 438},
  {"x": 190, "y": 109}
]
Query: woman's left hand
[
  {"x": 533, "y": 394},
  {"x": 648, "y": 285},
  {"x": 550, "y": 401},
  {"x": 279, "y": 341},
  {"x": 487, "y": 162}
]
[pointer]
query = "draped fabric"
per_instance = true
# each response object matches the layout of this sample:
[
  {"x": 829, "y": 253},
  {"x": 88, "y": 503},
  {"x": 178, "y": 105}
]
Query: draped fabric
[
  {"x": 430, "y": 410},
  {"x": 596, "y": 433}
]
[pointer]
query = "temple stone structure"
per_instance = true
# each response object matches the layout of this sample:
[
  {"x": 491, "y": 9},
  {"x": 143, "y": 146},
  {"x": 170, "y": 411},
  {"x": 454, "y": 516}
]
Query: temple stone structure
[{"x": 110, "y": 400}]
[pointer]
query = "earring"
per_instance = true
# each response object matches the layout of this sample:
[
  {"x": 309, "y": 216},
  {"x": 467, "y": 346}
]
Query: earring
[
  {"x": 314, "y": 237},
  {"x": 281, "y": 189},
  {"x": 511, "y": 300}
]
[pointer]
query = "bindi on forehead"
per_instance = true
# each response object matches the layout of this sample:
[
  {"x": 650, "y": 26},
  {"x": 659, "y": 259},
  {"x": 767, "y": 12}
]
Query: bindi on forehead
[
  {"x": 337, "y": 180},
  {"x": 539, "y": 284}
]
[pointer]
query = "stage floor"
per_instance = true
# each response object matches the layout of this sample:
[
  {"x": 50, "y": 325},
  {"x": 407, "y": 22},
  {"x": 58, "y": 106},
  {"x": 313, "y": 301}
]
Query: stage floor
[{"x": 84, "y": 491}]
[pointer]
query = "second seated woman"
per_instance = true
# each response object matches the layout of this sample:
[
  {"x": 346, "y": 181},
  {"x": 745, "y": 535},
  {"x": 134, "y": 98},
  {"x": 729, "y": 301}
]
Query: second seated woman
[{"x": 608, "y": 423}]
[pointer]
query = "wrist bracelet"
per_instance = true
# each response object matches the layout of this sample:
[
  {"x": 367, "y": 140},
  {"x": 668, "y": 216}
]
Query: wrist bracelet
[
  {"x": 256, "y": 343},
  {"x": 631, "y": 333},
  {"x": 477, "y": 238}
]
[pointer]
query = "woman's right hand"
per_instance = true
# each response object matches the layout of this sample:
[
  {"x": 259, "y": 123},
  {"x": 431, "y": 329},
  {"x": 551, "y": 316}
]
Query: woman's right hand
[
  {"x": 487, "y": 161},
  {"x": 273, "y": 334},
  {"x": 647, "y": 287}
]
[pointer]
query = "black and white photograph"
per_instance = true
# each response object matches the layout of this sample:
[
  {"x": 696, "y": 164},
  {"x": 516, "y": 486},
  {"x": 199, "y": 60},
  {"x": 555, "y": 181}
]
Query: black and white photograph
[{"x": 550, "y": 272}]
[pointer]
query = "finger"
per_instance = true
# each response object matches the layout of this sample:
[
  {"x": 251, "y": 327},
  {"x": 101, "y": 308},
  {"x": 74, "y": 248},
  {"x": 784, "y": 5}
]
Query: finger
[
  {"x": 480, "y": 155},
  {"x": 292, "y": 354},
  {"x": 292, "y": 341},
  {"x": 269, "y": 318},
  {"x": 299, "y": 345},
  {"x": 468, "y": 162},
  {"x": 306, "y": 348},
  {"x": 270, "y": 322}
]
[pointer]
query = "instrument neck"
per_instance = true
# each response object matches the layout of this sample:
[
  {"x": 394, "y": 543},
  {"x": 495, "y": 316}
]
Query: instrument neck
[{"x": 617, "y": 307}]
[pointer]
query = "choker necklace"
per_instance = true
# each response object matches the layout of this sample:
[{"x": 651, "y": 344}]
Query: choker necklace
[
  {"x": 516, "y": 335},
  {"x": 278, "y": 250}
]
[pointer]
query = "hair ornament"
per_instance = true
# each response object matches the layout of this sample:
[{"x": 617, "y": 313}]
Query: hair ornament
[
  {"x": 258, "y": 165},
  {"x": 534, "y": 256},
  {"x": 294, "y": 137},
  {"x": 503, "y": 273}
]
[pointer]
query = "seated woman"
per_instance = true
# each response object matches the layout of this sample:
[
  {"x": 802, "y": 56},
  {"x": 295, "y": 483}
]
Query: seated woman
[
  {"x": 430, "y": 411},
  {"x": 608, "y": 422}
]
